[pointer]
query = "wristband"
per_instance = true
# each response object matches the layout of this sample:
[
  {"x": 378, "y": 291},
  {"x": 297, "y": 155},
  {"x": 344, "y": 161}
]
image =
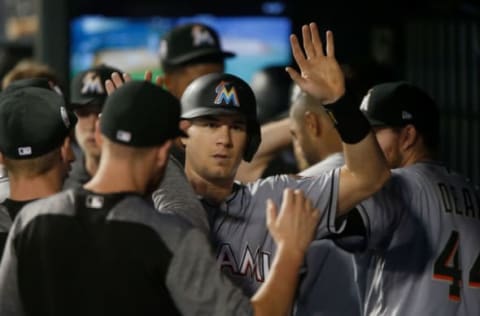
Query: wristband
[{"x": 350, "y": 122}]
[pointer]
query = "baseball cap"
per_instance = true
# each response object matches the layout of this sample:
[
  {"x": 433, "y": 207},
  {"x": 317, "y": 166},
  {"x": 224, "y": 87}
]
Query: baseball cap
[
  {"x": 88, "y": 87},
  {"x": 190, "y": 42},
  {"x": 141, "y": 114},
  {"x": 33, "y": 122},
  {"x": 399, "y": 103}
]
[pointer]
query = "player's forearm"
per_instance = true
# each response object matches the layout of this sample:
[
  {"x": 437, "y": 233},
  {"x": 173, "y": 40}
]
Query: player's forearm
[
  {"x": 276, "y": 295},
  {"x": 367, "y": 169},
  {"x": 275, "y": 137}
]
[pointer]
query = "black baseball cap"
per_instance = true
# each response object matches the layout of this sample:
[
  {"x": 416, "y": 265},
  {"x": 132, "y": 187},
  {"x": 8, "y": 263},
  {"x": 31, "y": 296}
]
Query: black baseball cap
[
  {"x": 141, "y": 114},
  {"x": 88, "y": 87},
  {"x": 33, "y": 122},
  {"x": 396, "y": 104},
  {"x": 190, "y": 42}
]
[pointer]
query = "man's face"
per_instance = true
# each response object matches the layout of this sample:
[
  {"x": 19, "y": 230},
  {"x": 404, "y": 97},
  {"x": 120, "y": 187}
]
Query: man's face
[
  {"x": 67, "y": 158},
  {"x": 389, "y": 141},
  {"x": 302, "y": 144},
  {"x": 215, "y": 147},
  {"x": 178, "y": 80},
  {"x": 85, "y": 129}
]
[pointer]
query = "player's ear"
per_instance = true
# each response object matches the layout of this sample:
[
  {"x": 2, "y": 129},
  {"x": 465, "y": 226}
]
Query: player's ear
[
  {"x": 312, "y": 123},
  {"x": 184, "y": 126},
  {"x": 97, "y": 133},
  {"x": 409, "y": 137},
  {"x": 162, "y": 153},
  {"x": 2, "y": 159},
  {"x": 66, "y": 150}
]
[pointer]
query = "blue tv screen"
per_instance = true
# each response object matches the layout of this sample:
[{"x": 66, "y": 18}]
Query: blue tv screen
[{"x": 132, "y": 44}]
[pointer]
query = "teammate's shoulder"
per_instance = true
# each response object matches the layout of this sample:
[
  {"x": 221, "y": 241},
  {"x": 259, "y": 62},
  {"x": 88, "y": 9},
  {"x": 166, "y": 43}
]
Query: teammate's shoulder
[{"x": 54, "y": 203}]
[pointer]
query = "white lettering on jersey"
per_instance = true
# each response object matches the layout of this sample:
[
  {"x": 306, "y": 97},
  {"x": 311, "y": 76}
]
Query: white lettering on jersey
[
  {"x": 226, "y": 258},
  {"x": 252, "y": 264}
]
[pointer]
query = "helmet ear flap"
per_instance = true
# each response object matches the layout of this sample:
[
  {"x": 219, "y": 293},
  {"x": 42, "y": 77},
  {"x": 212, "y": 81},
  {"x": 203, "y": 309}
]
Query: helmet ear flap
[{"x": 254, "y": 139}]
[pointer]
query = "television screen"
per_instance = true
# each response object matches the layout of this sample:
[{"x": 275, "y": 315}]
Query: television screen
[{"x": 132, "y": 44}]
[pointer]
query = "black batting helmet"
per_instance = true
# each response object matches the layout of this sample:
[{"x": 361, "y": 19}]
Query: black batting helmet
[{"x": 223, "y": 94}]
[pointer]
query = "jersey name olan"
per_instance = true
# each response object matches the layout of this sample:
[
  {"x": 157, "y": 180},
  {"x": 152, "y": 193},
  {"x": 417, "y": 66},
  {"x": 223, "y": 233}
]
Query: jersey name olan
[{"x": 461, "y": 201}]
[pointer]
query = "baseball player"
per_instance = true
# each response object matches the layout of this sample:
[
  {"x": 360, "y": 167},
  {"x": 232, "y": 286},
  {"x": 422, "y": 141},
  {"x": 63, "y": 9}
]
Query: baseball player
[
  {"x": 26, "y": 73},
  {"x": 104, "y": 250},
  {"x": 422, "y": 230},
  {"x": 188, "y": 51},
  {"x": 87, "y": 96},
  {"x": 272, "y": 87},
  {"x": 331, "y": 271},
  {"x": 224, "y": 130},
  {"x": 35, "y": 128}
]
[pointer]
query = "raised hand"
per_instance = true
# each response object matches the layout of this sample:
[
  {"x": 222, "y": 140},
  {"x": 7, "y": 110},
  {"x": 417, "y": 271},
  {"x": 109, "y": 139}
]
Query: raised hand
[
  {"x": 320, "y": 75},
  {"x": 294, "y": 226},
  {"x": 116, "y": 81}
]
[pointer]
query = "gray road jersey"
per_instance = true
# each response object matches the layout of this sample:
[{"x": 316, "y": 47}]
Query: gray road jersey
[
  {"x": 244, "y": 246},
  {"x": 424, "y": 244},
  {"x": 329, "y": 271},
  {"x": 192, "y": 278},
  {"x": 333, "y": 161},
  {"x": 176, "y": 195}
]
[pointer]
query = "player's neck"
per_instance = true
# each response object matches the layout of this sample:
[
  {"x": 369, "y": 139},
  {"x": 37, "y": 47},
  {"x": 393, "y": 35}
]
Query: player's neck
[
  {"x": 24, "y": 189},
  {"x": 91, "y": 164},
  {"x": 108, "y": 179},
  {"x": 416, "y": 156},
  {"x": 214, "y": 192}
]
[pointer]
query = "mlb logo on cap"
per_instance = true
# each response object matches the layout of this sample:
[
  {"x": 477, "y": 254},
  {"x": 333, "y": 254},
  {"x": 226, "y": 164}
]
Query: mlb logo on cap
[
  {"x": 25, "y": 151},
  {"x": 124, "y": 136}
]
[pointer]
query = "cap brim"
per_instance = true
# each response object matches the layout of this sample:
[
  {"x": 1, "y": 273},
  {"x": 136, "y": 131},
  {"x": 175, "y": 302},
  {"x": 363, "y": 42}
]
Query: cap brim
[
  {"x": 86, "y": 102},
  {"x": 203, "y": 53}
]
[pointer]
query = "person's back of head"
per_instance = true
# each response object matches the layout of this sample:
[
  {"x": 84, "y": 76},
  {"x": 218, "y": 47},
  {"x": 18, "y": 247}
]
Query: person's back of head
[
  {"x": 139, "y": 118},
  {"x": 35, "y": 126},
  {"x": 314, "y": 135},
  {"x": 29, "y": 68},
  {"x": 272, "y": 87},
  {"x": 400, "y": 104},
  {"x": 188, "y": 51}
]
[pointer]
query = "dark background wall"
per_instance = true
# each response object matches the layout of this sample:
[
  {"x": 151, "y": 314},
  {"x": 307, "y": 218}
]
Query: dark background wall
[{"x": 434, "y": 44}]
